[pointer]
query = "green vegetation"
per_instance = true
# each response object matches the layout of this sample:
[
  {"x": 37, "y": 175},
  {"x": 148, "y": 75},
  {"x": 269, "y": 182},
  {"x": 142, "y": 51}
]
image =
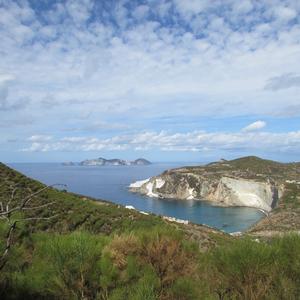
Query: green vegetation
[
  {"x": 248, "y": 269},
  {"x": 73, "y": 212},
  {"x": 97, "y": 250},
  {"x": 150, "y": 265},
  {"x": 291, "y": 197},
  {"x": 251, "y": 167}
]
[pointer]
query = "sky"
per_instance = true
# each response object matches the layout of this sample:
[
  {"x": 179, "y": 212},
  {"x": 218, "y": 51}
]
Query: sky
[{"x": 168, "y": 80}]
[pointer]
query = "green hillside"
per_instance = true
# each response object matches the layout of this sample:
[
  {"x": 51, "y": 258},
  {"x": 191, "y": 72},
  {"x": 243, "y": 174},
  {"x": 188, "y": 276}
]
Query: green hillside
[
  {"x": 81, "y": 248},
  {"x": 73, "y": 212},
  {"x": 248, "y": 167}
]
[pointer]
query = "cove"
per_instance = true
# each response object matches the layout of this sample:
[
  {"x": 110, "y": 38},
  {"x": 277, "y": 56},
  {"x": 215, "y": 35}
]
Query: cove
[{"x": 111, "y": 183}]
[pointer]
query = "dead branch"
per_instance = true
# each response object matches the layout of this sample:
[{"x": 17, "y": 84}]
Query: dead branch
[
  {"x": 38, "y": 207},
  {"x": 7, "y": 211},
  {"x": 38, "y": 218},
  {"x": 26, "y": 200},
  {"x": 8, "y": 244}
]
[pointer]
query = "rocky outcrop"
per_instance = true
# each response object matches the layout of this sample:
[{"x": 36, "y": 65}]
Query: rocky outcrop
[
  {"x": 68, "y": 163},
  {"x": 220, "y": 190},
  {"x": 114, "y": 162},
  {"x": 141, "y": 161}
]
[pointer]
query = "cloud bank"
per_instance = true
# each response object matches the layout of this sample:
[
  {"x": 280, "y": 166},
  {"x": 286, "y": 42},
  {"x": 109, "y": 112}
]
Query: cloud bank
[
  {"x": 180, "y": 142},
  {"x": 122, "y": 68}
]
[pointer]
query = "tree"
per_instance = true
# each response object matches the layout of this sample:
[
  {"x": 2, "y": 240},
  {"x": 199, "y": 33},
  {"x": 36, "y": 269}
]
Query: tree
[{"x": 11, "y": 212}]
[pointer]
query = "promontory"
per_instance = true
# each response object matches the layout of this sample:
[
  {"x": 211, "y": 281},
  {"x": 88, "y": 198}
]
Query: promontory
[{"x": 248, "y": 181}]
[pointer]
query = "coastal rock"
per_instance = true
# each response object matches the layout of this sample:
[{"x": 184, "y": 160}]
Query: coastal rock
[
  {"x": 140, "y": 161},
  {"x": 225, "y": 191},
  {"x": 218, "y": 183}
]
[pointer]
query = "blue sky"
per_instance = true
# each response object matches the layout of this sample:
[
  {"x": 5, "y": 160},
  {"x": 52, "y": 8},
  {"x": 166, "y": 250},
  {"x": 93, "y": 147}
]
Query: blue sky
[{"x": 167, "y": 80}]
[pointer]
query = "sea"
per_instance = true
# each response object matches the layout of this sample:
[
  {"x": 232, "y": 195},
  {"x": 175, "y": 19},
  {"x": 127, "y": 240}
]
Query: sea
[{"x": 111, "y": 183}]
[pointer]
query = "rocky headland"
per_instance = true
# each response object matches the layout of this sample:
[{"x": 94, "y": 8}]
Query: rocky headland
[{"x": 248, "y": 181}]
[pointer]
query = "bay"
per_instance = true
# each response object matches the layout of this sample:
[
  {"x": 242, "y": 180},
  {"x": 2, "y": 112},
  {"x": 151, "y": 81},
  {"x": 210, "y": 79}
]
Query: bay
[{"x": 111, "y": 183}]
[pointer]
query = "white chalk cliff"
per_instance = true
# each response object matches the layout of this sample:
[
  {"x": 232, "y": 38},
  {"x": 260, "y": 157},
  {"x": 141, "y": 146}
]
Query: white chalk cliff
[{"x": 220, "y": 190}]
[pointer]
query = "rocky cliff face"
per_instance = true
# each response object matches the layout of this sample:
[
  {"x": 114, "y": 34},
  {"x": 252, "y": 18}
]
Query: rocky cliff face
[{"x": 221, "y": 190}]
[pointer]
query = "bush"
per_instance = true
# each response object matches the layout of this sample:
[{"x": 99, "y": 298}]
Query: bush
[
  {"x": 150, "y": 263},
  {"x": 66, "y": 265},
  {"x": 121, "y": 247},
  {"x": 287, "y": 260},
  {"x": 243, "y": 270}
]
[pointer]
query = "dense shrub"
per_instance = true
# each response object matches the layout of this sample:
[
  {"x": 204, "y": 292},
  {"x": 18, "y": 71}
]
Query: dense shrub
[
  {"x": 287, "y": 260},
  {"x": 155, "y": 264},
  {"x": 244, "y": 270},
  {"x": 64, "y": 265},
  {"x": 247, "y": 269}
]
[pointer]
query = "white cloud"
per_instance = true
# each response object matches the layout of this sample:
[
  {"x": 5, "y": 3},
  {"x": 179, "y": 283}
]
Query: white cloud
[
  {"x": 7, "y": 102},
  {"x": 149, "y": 59},
  {"x": 243, "y": 6},
  {"x": 200, "y": 141},
  {"x": 140, "y": 11},
  {"x": 285, "y": 13},
  {"x": 191, "y": 7},
  {"x": 255, "y": 126},
  {"x": 6, "y": 78},
  {"x": 127, "y": 63},
  {"x": 40, "y": 138},
  {"x": 284, "y": 81},
  {"x": 79, "y": 11}
]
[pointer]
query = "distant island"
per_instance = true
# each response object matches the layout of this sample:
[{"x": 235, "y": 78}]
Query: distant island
[
  {"x": 110, "y": 162},
  {"x": 68, "y": 163}
]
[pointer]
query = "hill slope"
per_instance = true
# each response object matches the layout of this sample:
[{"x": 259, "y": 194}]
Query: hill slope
[
  {"x": 76, "y": 212},
  {"x": 92, "y": 249}
]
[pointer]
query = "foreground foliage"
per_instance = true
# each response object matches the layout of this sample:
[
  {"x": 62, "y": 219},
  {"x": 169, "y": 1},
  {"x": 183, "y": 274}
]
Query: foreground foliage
[
  {"x": 101, "y": 251},
  {"x": 150, "y": 265}
]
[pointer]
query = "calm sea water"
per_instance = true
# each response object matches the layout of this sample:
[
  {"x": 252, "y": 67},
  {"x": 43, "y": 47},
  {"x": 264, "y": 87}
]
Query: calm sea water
[{"x": 111, "y": 183}]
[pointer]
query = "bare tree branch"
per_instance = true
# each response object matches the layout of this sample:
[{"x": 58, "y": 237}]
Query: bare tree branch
[
  {"x": 7, "y": 212},
  {"x": 27, "y": 199},
  {"x": 38, "y": 218},
  {"x": 8, "y": 244},
  {"x": 40, "y": 206},
  {"x": 12, "y": 195}
]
